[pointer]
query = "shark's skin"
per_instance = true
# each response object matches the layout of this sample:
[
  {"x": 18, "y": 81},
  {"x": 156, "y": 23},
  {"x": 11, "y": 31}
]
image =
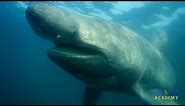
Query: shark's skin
[{"x": 105, "y": 55}]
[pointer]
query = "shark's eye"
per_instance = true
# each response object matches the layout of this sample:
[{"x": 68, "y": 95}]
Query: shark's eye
[{"x": 58, "y": 36}]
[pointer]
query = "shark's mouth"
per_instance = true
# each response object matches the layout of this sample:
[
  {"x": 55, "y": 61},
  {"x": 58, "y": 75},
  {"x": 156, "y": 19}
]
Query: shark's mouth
[{"x": 70, "y": 50}]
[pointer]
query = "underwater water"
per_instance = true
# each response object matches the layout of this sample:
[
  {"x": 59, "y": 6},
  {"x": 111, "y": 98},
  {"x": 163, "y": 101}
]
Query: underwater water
[{"x": 28, "y": 76}]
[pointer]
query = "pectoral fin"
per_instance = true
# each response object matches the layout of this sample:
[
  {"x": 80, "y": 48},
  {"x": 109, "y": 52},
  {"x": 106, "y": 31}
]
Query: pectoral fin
[{"x": 91, "y": 96}]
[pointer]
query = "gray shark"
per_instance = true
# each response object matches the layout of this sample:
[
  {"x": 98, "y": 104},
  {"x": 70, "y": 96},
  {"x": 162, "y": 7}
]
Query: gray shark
[{"x": 105, "y": 55}]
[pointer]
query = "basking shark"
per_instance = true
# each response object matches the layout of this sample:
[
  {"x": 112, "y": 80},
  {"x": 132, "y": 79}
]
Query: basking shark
[{"x": 105, "y": 55}]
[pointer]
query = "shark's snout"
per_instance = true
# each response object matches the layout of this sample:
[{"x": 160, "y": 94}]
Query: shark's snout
[
  {"x": 41, "y": 20},
  {"x": 34, "y": 18},
  {"x": 33, "y": 13},
  {"x": 33, "y": 10}
]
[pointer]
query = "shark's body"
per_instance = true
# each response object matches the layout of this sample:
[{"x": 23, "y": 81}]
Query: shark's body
[{"x": 105, "y": 55}]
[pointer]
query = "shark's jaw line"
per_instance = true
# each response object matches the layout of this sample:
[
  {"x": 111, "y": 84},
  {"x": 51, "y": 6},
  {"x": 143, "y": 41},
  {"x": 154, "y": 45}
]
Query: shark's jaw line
[{"x": 70, "y": 50}]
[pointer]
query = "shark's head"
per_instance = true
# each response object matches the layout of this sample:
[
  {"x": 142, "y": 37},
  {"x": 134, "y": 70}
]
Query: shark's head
[
  {"x": 80, "y": 41},
  {"x": 85, "y": 46}
]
